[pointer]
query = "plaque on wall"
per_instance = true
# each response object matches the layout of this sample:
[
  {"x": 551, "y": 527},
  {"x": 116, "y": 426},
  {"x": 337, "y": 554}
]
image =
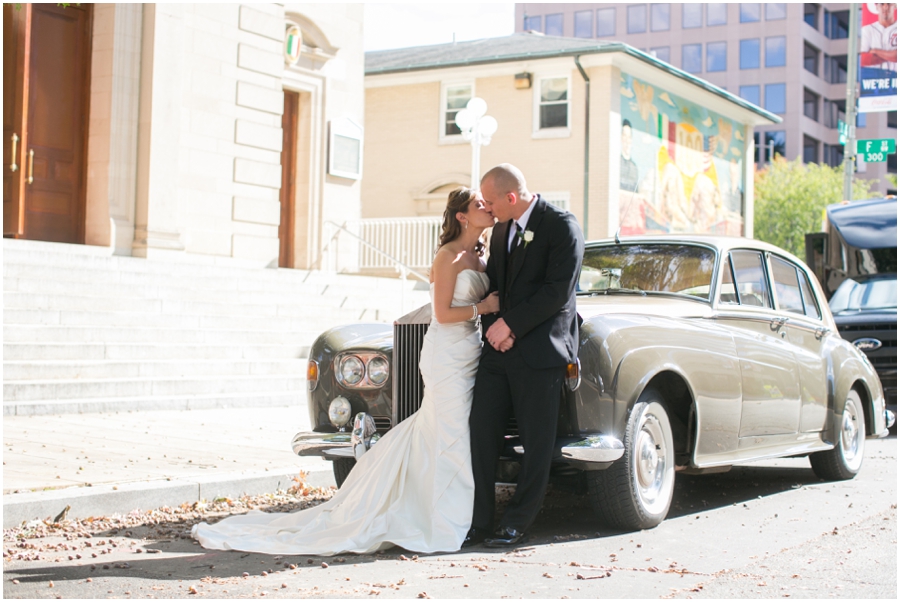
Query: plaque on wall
[{"x": 345, "y": 145}]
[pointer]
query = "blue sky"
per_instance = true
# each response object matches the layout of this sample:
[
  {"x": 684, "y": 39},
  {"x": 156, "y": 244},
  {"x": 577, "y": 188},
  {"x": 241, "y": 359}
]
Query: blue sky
[{"x": 401, "y": 25}]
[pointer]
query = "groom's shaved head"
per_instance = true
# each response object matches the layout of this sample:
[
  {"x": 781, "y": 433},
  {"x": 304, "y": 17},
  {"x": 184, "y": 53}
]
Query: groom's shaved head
[{"x": 506, "y": 178}]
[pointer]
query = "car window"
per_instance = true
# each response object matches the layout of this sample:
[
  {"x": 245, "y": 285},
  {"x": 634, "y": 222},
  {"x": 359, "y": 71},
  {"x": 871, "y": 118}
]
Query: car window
[
  {"x": 728, "y": 294},
  {"x": 810, "y": 305},
  {"x": 753, "y": 290},
  {"x": 787, "y": 286}
]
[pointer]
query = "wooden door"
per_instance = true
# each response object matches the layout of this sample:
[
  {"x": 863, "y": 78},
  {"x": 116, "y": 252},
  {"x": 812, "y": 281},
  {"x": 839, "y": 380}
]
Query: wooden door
[
  {"x": 288, "y": 178},
  {"x": 16, "y": 29},
  {"x": 59, "y": 83}
]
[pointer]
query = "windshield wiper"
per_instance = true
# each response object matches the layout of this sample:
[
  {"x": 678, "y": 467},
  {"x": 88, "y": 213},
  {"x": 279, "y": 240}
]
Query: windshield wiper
[{"x": 626, "y": 291}]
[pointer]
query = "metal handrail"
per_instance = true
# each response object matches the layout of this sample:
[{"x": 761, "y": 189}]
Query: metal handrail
[{"x": 405, "y": 267}]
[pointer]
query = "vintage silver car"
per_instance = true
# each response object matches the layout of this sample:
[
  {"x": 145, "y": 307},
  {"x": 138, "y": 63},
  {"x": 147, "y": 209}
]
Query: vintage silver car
[{"x": 696, "y": 353}]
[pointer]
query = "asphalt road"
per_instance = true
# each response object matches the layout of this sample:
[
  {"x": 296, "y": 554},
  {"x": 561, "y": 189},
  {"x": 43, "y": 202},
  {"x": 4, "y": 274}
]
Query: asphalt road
[{"x": 770, "y": 530}]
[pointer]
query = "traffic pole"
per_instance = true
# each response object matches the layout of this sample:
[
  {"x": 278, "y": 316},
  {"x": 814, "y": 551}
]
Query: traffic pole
[{"x": 852, "y": 62}]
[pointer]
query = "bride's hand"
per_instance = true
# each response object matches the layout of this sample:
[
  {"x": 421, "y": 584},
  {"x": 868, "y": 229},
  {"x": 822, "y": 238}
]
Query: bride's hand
[{"x": 491, "y": 303}]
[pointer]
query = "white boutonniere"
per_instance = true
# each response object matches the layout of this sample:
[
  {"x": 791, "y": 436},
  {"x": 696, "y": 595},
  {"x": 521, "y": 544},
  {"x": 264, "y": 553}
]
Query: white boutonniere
[{"x": 527, "y": 237}]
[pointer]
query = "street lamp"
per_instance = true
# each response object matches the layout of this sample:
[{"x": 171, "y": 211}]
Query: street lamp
[{"x": 477, "y": 128}]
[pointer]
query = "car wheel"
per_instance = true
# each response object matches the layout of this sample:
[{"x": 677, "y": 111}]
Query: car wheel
[
  {"x": 844, "y": 460},
  {"x": 636, "y": 491},
  {"x": 342, "y": 468}
]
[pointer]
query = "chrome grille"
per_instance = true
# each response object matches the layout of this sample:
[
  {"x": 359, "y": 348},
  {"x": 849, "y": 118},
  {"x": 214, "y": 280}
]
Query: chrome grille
[{"x": 408, "y": 386}]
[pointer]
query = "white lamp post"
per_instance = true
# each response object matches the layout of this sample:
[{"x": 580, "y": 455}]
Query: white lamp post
[{"x": 477, "y": 128}]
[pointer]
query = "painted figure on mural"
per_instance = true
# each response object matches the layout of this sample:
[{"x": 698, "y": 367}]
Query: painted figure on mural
[{"x": 628, "y": 172}]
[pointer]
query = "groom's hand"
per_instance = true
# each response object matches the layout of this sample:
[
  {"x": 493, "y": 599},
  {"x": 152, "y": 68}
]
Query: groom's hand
[
  {"x": 507, "y": 344},
  {"x": 498, "y": 333}
]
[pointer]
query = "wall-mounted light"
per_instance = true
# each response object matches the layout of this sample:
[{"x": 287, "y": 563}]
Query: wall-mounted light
[{"x": 523, "y": 81}]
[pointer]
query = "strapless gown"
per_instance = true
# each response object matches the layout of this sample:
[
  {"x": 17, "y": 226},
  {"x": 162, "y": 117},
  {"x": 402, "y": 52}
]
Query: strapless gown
[{"x": 413, "y": 488}]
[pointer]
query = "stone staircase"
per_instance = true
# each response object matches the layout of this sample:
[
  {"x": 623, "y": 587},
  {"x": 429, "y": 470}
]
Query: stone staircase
[{"x": 85, "y": 331}]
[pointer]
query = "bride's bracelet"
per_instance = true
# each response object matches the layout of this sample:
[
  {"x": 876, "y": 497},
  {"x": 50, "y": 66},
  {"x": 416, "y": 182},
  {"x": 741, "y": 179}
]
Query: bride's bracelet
[{"x": 474, "y": 311}]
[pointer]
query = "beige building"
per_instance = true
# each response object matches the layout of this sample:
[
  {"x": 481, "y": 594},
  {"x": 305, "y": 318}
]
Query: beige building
[
  {"x": 790, "y": 58},
  {"x": 208, "y": 131},
  {"x": 621, "y": 139}
]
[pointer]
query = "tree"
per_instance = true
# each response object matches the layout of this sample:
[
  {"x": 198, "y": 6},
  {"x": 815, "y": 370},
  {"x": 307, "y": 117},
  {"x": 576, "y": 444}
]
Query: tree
[{"x": 790, "y": 199}]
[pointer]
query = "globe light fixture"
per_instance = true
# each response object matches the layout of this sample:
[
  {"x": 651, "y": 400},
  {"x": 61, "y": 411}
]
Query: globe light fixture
[{"x": 477, "y": 128}]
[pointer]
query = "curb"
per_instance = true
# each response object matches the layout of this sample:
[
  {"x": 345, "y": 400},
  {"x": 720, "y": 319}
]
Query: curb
[{"x": 103, "y": 500}]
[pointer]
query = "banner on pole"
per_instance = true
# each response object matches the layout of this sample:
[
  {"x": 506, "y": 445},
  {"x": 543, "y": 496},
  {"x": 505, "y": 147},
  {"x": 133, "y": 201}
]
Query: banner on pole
[{"x": 878, "y": 58}]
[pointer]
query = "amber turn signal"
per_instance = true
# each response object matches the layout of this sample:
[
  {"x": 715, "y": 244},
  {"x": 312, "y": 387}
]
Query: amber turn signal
[
  {"x": 573, "y": 375},
  {"x": 312, "y": 375}
]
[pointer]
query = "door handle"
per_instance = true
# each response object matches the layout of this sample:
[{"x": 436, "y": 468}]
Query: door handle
[
  {"x": 778, "y": 323},
  {"x": 821, "y": 332},
  {"x": 15, "y": 141},
  {"x": 31, "y": 166}
]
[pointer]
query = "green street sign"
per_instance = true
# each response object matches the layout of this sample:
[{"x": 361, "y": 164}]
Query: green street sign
[
  {"x": 874, "y": 151},
  {"x": 843, "y": 132}
]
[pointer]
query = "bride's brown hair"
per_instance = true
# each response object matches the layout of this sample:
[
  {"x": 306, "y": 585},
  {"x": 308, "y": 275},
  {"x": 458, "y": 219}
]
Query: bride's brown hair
[{"x": 458, "y": 202}]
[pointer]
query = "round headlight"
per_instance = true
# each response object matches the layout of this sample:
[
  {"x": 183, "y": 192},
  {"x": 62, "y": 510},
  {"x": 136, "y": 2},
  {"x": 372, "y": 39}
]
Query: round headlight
[
  {"x": 378, "y": 370},
  {"x": 352, "y": 370},
  {"x": 339, "y": 411}
]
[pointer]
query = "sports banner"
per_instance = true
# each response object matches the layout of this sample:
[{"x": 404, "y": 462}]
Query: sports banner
[{"x": 878, "y": 58}]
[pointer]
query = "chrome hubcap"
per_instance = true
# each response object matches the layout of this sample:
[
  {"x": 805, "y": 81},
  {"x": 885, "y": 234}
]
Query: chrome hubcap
[
  {"x": 850, "y": 432},
  {"x": 651, "y": 459}
]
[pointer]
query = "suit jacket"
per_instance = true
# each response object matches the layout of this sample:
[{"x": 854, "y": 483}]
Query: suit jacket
[{"x": 537, "y": 292}]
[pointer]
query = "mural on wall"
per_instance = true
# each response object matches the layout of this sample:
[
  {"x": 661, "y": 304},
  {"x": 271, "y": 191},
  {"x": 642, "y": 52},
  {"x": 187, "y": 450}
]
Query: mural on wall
[{"x": 681, "y": 167}]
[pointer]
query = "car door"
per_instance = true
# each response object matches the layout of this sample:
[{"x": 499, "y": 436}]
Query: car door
[
  {"x": 770, "y": 378},
  {"x": 806, "y": 333}
]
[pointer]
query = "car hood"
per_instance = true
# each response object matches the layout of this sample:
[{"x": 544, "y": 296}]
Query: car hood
[
  {"x": 655, "y": 305},
  {"x": 872, "y": 316},
  {"x": 359, "y": 336}
]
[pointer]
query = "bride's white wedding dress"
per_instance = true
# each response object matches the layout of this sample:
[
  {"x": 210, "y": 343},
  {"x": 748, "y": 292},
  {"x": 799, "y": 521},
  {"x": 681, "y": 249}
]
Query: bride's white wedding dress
[{"x": 413, "y": 489}]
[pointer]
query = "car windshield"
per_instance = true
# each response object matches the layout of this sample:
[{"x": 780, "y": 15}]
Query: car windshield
[
  {"x": 862, "y": 294},
  {"x": 648, "y": 268}
]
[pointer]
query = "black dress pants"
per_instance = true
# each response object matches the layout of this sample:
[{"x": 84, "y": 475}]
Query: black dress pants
[{"x": 505, "y": 384}]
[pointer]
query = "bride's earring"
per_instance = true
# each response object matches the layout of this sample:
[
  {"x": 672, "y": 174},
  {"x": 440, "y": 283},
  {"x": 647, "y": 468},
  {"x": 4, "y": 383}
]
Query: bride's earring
[{"x": 467, "y": 225}]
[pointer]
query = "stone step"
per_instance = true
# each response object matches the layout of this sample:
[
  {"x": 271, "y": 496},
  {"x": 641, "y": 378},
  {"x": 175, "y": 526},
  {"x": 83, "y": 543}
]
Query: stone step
[
  {"x": 54, "y": 390},
  {"x": 150, "y": 351},
  {"x": 39, "y": 333},
  {"x": 46, "y": 370},
  {"x": 156, "y": 402}
]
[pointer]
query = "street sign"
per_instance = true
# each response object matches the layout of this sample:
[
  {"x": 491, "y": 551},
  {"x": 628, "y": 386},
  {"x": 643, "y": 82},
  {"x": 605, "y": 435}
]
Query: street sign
[
  {"x": 843, "y": 130},
  {"x": 874, "y": 151}
]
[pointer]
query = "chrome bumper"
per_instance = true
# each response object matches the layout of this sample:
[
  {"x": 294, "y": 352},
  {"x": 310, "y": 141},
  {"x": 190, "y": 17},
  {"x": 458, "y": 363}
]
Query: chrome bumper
[
  {"x": 594, "y": 449},
  {"x": 338, "y": 445},
  {"x": 889, "y": 419}
]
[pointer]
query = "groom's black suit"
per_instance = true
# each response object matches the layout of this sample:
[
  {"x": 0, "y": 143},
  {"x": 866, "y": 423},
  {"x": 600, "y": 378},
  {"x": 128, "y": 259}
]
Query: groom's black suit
[{"x": 537, "y": 301}]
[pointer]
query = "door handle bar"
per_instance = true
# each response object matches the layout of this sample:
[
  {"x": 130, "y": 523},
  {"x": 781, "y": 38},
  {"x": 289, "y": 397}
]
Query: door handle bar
[
  {"x": 15, "y": 141},
  {"x": 31, "y": 166}
]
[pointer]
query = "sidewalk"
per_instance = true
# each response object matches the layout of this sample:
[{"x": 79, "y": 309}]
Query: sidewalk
[{"x": 114, "y": 463}]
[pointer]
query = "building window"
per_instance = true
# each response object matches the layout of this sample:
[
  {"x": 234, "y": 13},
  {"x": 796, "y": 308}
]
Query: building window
[
  {"x": 837, "y": 24},
  {"x": 716, "y": 56},
  {"x": 774, "y": 143},
  {"x": 716, "y": 13},
  {"x": 662, "y": 53},
  {"x": 553, "y": 105},
  {"x": 810, "y": 150},
  {"x": 606, "y": 22},
  {"x": 584, "y": 24},
  {"x": 750, "y": 94},
  {"x": 811, "y": 104},
  {"x": 692, "y": 58},
  {"x": 892, "y": 119},
  {"x": 637, "y": 18},
  {"x": 554, "y": 24},
  {"x": 455, "y": 97},
  {"x": 775, "y": 51},
  {"x": 836, "y": 69},
  {"x": 691, "y": 16},
  {"x": 832, "y": 154},
  {"x": 860, "y": 120},
  {"x": 776, "y": 11},
  {"x": 750, "y": 53},
  {"x": 749, "y": 12},
  {"x": 810, "y": 59},
  {"x": 775, "y": 98},
  {"x": 532, "y": 23},
  {"x": 659, "y": 17},
  {"x": 832, "y": 112},
  {"x": 811, "y": 15}
]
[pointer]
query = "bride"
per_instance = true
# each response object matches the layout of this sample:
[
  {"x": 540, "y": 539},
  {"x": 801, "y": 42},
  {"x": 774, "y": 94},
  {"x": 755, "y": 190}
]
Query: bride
[{"x": 414, "y": 488}]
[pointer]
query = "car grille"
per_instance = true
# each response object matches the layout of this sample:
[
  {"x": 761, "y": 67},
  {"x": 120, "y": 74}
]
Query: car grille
[
  {"x": 408, "y": 386},
  {"x": 883, "y": 359}
]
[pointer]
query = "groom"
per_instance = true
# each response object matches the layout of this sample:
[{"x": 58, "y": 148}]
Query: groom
[{"x": 534, "y": 263}]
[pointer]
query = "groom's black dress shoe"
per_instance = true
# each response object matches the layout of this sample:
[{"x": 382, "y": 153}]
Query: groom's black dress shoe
[
  {"x": 505, "y": 537},
  {"x": 474, "y": 537}
]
